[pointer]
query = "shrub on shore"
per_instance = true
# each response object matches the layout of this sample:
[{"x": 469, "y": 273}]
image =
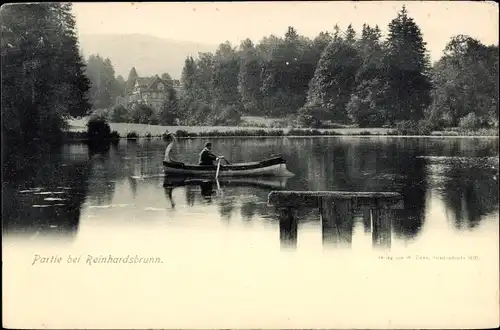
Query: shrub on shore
[
  {"x": 421, "y": 127},
  {"x": 132, "y": 136},
  {"x": 98, "y": 129},
  {"x": 114, "y": 136}
]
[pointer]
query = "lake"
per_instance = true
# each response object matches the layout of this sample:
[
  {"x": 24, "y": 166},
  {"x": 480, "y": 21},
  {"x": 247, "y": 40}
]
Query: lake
[{"x": 218, "y": 258}]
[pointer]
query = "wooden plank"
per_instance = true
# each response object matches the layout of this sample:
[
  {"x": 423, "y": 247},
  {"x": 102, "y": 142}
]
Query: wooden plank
[{"x": 359, "y": 200}]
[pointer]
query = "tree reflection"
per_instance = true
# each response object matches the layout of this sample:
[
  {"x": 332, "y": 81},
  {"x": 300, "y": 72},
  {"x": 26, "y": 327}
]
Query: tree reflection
[
  {"x": 354, "y": 164},
  {"x": 44, "y": 190},
  {"x": 470, "y": 189},
  {"x": 413, "y": 186}
]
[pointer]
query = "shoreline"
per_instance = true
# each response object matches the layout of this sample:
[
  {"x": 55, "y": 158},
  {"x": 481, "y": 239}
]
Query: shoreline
[
  {"x": 133, "y": 131},
  {"x": 203, "y": 136}
]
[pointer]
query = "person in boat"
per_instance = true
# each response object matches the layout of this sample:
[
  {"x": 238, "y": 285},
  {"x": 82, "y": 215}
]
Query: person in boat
[{"x": 207, "y": 157}]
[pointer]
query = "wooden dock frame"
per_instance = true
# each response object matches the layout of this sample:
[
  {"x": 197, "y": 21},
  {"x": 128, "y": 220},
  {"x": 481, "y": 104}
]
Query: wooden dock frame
[{"x": 337, "y": 208}]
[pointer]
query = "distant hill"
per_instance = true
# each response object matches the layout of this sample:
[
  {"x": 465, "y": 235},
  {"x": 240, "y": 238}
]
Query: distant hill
[{"x": 149, "y": 54}]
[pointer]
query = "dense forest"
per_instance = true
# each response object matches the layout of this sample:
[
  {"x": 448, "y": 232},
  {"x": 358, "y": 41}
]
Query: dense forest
[
  {"x": 346, "y": 77},
  {"x": 341, "y": 76},
  {"x": 338, "y": 77}
]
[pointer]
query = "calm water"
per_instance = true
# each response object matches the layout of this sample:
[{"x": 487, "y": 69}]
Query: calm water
[{"x": 225, "y": 261}]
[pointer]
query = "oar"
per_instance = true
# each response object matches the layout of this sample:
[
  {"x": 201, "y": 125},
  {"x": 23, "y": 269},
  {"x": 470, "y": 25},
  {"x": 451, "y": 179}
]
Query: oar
[
  {"x": 218, "y": 167},
  {"x": 219, "y": 191}
]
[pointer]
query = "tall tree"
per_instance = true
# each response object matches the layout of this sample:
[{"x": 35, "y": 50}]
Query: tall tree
[
  {"x": 286, "y": 75},
  {"x": 105, "y": 89},
  {"x": 249, "y": 79},
  {"x": 169, "y": 113},
  {"x": 334, "y": 80},
  {"x": 466, "y": 83},
  {"x": 367, "y": 105},
  {"x": 42, "y": 72},
  {"x": 371, "y": 53},
  {"x": 205, "y": 66},
  {"x": 270, "y": 52},
  {"x": 188, "y": 74},
  {"x": 227, "y": 102},
  {"x": 407, "y": 65},
  {"x": 122, "y": 85},
  {"x": 318, "y": 46},
  {"x": 350, "y": 35},
  {"x": 225, "y": 75},
  {"x": 194, "y": 109}
]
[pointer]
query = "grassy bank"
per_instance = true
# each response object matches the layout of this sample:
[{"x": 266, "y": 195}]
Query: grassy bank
[
  {"x": 142, "y": 131},
  {"x": 136, "y": 131}
]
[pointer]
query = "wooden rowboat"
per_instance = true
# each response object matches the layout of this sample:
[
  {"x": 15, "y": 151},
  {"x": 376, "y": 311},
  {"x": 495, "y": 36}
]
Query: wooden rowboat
[{"x": 273, "y": 166}]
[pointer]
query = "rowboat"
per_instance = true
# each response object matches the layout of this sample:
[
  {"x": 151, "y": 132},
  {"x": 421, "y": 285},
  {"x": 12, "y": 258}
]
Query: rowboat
[{"x": 272, "y": 166}]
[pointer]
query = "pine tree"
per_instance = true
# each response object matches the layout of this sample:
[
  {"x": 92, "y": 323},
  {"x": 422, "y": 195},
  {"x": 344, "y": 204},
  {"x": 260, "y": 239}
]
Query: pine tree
[
  {"x": 350, "y": 35},
  {"x": 407, "y": 65},
  {"x": 188, "y": 74},
  {"x": 370, "y": 51},
  {"x": 104, "y": 87}
]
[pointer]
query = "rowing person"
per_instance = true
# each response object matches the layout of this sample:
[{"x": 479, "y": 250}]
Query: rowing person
[{"x": 207, "y": 157}]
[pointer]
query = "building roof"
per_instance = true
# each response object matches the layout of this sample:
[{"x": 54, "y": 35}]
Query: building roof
[{"x": 148, "y": 82}]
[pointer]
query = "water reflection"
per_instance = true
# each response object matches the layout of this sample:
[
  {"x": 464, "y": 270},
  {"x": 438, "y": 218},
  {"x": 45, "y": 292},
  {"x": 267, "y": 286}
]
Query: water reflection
[
  {"x": 462, "y": 173},
  {"x": 468, "y": 186},
  {"x": 227, "y": 191},
  {"x": 44, "y": 190}
]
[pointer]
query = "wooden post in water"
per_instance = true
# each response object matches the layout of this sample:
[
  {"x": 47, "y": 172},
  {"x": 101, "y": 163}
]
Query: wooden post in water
[
  {"x": 336, "y": 221},
  {"x": 381, "y": 227},
  {"x": 367, "y": 220},
  {"x": 288, "y": 226}
]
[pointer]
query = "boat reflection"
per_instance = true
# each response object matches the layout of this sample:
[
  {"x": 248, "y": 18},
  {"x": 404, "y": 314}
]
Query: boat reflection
[
  {"x": 270, "y": 183},
  {"x": 214, "y": 188}
]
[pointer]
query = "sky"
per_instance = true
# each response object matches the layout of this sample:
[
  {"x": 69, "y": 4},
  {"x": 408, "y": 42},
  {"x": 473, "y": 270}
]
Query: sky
[{"x": 216, "y": 22}]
